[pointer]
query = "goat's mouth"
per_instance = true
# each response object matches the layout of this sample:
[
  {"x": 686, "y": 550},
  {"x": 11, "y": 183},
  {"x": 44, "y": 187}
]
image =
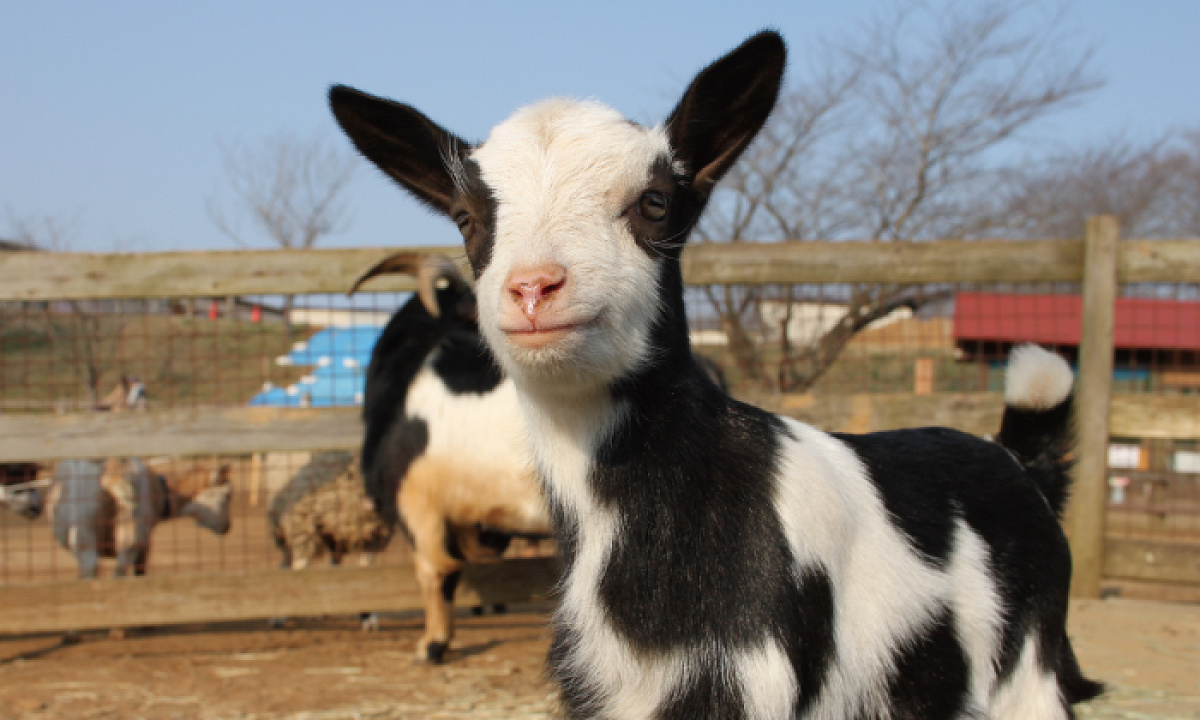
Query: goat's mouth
[{"x": 535, "y": 336}]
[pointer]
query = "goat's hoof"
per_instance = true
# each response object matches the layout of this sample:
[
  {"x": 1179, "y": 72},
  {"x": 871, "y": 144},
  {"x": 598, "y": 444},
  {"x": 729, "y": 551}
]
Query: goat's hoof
[
  {"x": 433, "y": 652},
  {"x": 72, "y": 637},
  {"x": 500, "y": 608},
  {"x": 369, "y": 622},
  {"x": 478, "y": 610}
]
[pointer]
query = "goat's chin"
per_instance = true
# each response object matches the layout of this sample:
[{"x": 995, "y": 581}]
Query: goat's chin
[{"x": 559, "y": 362}]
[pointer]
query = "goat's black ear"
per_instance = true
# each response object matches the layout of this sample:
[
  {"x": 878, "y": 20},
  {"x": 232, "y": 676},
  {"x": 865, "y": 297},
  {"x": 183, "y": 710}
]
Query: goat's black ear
[
  {"x": 405, "y": 144},
  {"x": 725, "y": 107}
]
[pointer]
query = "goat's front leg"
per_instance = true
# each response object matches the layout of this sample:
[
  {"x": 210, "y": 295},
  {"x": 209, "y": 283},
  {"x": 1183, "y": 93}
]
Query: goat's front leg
[
  {"x": 421, "y": 510},
  {"x": 437, "y": 574},
  {"x": 438, "y": 578}
]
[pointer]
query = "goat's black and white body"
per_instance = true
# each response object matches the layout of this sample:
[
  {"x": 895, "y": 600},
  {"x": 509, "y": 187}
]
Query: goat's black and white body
[{"x": 723, "y": 562}]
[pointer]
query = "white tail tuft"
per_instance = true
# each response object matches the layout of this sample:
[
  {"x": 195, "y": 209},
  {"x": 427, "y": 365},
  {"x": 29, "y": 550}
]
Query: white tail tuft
[{"x": 1037, "y": 378}]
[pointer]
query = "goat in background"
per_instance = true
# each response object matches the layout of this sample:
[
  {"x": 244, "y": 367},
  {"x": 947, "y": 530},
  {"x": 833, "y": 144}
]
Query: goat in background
[{"x": 445, "y": 455}]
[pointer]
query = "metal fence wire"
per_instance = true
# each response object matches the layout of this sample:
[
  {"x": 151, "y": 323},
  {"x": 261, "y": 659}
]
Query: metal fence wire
[{"x": 778, "y": 344}]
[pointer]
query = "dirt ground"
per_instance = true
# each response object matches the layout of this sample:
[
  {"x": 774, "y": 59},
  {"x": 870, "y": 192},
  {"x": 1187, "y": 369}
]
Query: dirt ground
[{"x": 327, "y": 669}]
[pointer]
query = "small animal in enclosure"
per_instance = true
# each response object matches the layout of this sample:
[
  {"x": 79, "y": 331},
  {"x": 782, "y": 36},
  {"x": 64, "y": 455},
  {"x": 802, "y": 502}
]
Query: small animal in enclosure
[
  {"x": 445, "y": 455},
  {"x": 108, "y": 509},
  {"x": 721, "y": 561},
  {"x": 324, "y": 508},
  {"x": 21, "y": 489}
]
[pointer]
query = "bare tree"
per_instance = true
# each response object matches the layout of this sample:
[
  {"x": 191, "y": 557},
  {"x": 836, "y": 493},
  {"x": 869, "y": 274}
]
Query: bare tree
[
  {"x": 289, "y": 189},
  {"x": 86, "y": 333},
  {"x": 1151, "y": 186},
  {"x": 898, "y": 139},
  {"x": 1145, "y": 185}
]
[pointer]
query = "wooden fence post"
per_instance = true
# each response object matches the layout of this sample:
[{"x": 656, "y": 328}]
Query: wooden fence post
[{"x": 1093, "y": 393}]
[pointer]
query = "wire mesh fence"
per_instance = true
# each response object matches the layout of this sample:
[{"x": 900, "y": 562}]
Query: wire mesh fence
[
  {"x": 243, "y": 535},
  {"x": 1154, "y": 482},
  {"x": 69, "y": 355},
  {"x": 116, "y": 357},
  {"x": 885, "y": 352},
  {"x": 932, "y": 338},
  {"x": 956, "y": 339}
]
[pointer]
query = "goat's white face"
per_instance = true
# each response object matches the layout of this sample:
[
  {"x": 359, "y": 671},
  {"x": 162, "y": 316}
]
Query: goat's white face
[
  {"x": 568, "y": 295},
  {"x": 573, "y": 216}
]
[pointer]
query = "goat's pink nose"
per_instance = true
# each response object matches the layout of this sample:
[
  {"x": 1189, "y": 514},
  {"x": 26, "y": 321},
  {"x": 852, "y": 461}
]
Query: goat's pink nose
[{"x": 531, "y": 288}]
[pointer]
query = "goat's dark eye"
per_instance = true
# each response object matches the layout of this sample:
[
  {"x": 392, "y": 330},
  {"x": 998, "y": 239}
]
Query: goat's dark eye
[
  {"x": 653, "y": 206},
  {"x": 463, "y": 220}
]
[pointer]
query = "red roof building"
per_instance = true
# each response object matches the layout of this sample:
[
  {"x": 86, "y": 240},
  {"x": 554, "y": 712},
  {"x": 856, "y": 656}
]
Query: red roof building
[{"x": 1140, "y": 323}]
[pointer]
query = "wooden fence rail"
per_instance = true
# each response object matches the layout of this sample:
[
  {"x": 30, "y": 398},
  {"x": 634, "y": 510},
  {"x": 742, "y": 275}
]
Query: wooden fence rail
[
  {"x": 220, "y": 597},
  {"x": 242, "y": 430},
  {"x": 55, "y": 276}
]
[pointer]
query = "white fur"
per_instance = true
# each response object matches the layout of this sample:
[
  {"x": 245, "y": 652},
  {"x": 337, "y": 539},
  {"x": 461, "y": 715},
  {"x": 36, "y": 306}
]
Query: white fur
[
  {"x": 978, "y": 610},
  {"x": 768, "y": 683},
  {"x": 563, "y": 173},
  {"x": 1037, "y": 378},
  {"x": 482, "y": 437},
  {"x": 1029, "y": 694}
]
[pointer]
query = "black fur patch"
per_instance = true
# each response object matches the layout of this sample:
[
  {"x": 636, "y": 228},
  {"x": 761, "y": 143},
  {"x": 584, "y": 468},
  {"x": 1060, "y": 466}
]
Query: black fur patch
[
  {"x": 464, "y": 363},
  {"x": 931, "y": 676},
  {"x": 919, "y": 495},
  {"x": 1041, "y": 440},
  {"x": 806, "y": 629},
  {"x": 450, "y": 585},
  {"x": 687, "y": 485},
  {"x": 708, "y": 696}
]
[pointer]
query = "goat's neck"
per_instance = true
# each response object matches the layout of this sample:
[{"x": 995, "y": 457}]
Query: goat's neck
[
  {"x": 623, "y": 424},
  {"x": 564, "y": 432}
]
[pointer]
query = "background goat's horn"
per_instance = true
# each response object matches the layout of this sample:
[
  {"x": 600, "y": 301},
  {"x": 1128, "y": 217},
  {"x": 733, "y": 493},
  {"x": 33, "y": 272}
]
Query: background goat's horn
[
  {"x": 426, "y": 268},
  {"x": 404, "y": 263}
]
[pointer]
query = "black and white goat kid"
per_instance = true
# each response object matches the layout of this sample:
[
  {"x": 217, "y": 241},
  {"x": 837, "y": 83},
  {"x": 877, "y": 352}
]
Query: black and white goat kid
[
  {"x": 444, "y": 455},
  {"x": 722, "y": 562}
]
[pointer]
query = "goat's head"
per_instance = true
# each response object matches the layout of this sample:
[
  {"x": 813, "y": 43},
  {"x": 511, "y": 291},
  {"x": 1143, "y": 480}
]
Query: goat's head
[
  {"x": 208, "y": 499},
  {"x": 573, "y": 216}
]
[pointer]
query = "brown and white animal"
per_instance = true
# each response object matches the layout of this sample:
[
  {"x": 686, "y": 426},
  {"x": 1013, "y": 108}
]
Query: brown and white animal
[
  {"x": 720, "y": 561},
  {"x": 445, "y": 454},
  {"x": 109, "y": 509},
  {"x": 325, "y": 508}
]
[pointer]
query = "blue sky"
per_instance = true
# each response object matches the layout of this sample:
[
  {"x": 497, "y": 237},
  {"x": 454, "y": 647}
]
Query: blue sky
[{"x": 111, "y": 113}]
